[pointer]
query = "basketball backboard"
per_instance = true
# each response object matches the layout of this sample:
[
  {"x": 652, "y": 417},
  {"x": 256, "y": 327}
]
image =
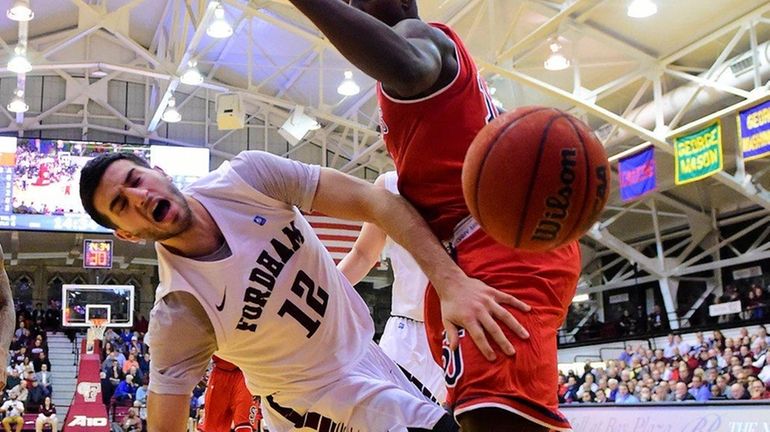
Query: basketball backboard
[{"x": 83, "y": 303}]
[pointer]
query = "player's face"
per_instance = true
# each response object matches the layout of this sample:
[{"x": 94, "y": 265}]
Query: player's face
[
  {"x": 142, "y": 202},
  {"x": 388, "y": 11}
]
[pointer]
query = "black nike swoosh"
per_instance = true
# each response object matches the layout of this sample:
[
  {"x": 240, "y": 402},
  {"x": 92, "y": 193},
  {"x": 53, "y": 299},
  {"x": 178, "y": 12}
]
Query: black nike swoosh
[{"x": 221, "y": 306}]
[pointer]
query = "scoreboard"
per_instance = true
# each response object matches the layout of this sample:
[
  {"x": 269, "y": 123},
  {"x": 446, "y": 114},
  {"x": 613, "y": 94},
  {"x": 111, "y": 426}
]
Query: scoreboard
[{"x": 97, "y": 253}]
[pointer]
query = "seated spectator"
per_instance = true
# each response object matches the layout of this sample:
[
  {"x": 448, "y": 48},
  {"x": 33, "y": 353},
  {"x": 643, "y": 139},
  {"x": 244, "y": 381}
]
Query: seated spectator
[
  {"x": 716, "y": 393},
  {"x": 13, "y": 410},
  {"x": 37, "y": 348},
  {"x": 141, "y": 393},
  {"x": 738, "y": 392},
  {"x": 21, "y": 391},
  {"x": 699, "y": 389},
  {"x": 645, "y": 394},
  {"x": 129, "y": 363},
  {"x": 37, "y": 395},
  {"x": 758, "y": 391},
  {"x": 624, "y": 396},
  {"x": 45, "y": 379},
  {"x": 681, "y": 394},
  {"x": 627, "y": 355},
  {"x": 656, "y": 321},
  {"x": 42, "y": 359},
  {"x": 12, "y": 379},
  {"x": 612, "y": 389},
  {"x": 46, "y": 416},
  {"x": 136, "y": 373},
  {"x": 661, "y": 393},
  {"x": 132, "y": 422},
  {"x": 126, "y": 390},
  {"x": 587, "y": 397}
]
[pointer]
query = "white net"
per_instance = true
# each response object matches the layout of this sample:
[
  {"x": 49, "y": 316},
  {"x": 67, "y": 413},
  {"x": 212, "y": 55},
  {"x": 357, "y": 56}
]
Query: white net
[{"x": 95, "y": 332}]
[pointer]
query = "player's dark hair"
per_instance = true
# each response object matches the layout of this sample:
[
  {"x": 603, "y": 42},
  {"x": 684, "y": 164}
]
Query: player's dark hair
[{"x": 91, "y": 176}]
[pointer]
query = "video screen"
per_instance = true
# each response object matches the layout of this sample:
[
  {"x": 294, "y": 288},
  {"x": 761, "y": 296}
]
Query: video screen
[{"x": 39, "y": 179}]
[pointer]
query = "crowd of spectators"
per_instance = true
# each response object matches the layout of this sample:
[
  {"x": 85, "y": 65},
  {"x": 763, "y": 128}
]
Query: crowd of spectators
[
  {"x": 28, "y": 386},
  {"x": 125, "y": 375},
  {"x": 753, "y": 304},
  {"x": 705, "y": 369}
]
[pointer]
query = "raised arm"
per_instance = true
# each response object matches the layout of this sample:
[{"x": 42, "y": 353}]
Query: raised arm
[
  {"x": 465, "y": 302},
  {"x": 7, "y": 317},
  {"x": 407, "y": 58}
]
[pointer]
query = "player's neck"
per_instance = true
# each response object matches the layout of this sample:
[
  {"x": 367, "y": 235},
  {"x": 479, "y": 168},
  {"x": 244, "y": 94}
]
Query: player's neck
[{"x": 203, "y": 236}]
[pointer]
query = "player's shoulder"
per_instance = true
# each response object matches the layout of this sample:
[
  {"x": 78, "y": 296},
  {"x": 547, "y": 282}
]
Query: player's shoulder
[{"x": 415, "y": 28}]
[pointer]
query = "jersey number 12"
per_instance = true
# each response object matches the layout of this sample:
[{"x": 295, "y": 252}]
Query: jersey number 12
[{"x": 315, "y": 297}]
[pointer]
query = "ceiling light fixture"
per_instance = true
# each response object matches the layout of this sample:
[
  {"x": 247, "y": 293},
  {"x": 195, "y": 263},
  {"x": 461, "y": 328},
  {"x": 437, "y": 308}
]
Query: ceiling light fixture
[
  {"x": 17, "y": 104},
  {"x": 642, "y": 8},
  {"x": 191, "y": 76},
  {"x": 219, "y": 28},
  {"x": 556, "y": 61},
  {"x": 171, "y": 115},
  {"x": 20, "y": 11},
  {"x": 348, "y": 87},
  {"x": 19, "y": 63}
]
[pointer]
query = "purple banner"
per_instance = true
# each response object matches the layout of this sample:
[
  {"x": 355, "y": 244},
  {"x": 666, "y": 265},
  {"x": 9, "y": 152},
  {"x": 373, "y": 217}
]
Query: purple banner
[{"x": 637, "y": 174}]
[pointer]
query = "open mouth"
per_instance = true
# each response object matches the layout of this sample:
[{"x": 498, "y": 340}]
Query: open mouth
[{"x": 161, "y": 210}]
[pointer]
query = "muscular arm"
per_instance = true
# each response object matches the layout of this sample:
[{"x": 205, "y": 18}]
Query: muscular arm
[
  {"x": 7, "y": 317},
  {"x": 175, "y": 409},
  {"x": 407, "y": 58},
  {"x": 366, "y": 251},
  {"x": 466, "y": 302}
]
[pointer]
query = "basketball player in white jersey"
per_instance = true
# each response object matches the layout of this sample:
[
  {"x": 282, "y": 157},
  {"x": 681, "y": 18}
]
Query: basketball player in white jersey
[
  {"x": 404, "y": 339},
  {"x": 243, "y": 275}
]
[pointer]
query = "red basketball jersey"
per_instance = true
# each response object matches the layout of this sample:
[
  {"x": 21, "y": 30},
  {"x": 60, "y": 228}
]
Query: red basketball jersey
[{"x": 428, "y": 138}]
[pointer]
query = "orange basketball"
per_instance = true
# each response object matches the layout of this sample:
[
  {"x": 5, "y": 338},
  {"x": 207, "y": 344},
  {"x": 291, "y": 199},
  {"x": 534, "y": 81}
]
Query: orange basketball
[{"x": 536, "y": 178}]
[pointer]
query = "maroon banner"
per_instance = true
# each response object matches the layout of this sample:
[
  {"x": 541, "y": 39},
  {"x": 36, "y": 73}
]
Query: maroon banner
[{"x": 87, "y": 412}]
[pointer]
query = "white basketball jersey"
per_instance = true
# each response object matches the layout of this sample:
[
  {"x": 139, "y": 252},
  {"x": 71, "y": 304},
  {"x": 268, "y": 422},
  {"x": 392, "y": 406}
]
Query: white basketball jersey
[
  {"x": 280, "y": 309},
  {"x": 409, "y": 281}
]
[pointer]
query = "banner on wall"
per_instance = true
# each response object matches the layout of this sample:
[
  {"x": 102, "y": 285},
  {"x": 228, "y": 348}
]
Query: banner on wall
[
  {"x": 682, "y": 417},
  {"x": 699, "y": 154},
  {"x": 754, "y": 131},
  {"x": 637, "y": 174}
]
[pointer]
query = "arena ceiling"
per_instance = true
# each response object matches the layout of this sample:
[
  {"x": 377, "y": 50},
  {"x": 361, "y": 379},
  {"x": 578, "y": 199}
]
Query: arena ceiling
[{"x": 637, "y": 82}]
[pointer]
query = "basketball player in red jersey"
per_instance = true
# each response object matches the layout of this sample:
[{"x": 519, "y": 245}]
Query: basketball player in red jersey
[
  {"x": 229, "y": 404},
  {"x": 433, "y": 103}
]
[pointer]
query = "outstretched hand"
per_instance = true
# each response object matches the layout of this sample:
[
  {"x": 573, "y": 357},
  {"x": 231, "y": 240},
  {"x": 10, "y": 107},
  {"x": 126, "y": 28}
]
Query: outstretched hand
[{"x": 476, "y": 307}]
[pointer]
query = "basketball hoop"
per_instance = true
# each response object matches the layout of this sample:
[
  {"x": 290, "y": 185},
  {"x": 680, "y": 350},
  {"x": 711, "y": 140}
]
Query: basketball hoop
[{"x": 96, "y": 329}]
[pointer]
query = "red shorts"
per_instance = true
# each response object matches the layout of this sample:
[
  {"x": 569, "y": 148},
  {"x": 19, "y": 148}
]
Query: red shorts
[
  {"x": 526, "y": 383},
  {"x": 229, "y": 402}
]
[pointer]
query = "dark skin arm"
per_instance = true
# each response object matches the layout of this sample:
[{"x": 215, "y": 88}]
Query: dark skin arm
[{"x": 409, "y": 59}]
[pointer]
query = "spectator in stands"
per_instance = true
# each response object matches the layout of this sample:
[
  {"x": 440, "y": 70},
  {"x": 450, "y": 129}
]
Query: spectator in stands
[
  {"x": 132, "y": 422},
  {"x": 46, "y": 416},
  {"x": 110, "y": 361},
  {"x": 45, "y": 379},
  {"x": 628, "y": 324},
  {"x": 645, "y": 394},
  {"x": 21, "y": 391},
  {"x": 758, "y": 391},
  {"x": 612, "y": 389},
  {"x": 141, "y": 393},
  {"x": 38, "y": 313},
  {"x": 716, "y": 394},
  {"x": 738, "y": 392},
  {"x": 699, "y": 389},
  {"x": 129, "y": 363},
  {"x": 572, "y": 388},
  {"x": 656, "y": 321},
  {"x": 126, "y": 390},
  {"x": 684, "y": 373},
  {"x": 13, "y": 410},
  {"x": 661, "y": 393},
  {"x": 627, "y": 355},
  {"x": 624, "y": 396},
  {"x": 40, "y": 361},
  {"x": 587, "y": 397},
  {"x": 37, "y": 395},
  {"x": 681, "y": 394},
  {"x": 13, "y": 379},
  {"x": 21, "y": 354},
  {"x": 718, "y": 340},
  {"x": 671, "y": 345},
  {"x": 37, "y": 348}
]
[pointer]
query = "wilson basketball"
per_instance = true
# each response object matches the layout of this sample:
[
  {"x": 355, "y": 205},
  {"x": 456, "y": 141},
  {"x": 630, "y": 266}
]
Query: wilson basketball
[{"x": 536, "y": 178}]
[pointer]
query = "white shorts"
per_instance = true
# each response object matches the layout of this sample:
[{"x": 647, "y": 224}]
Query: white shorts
[
  {"x": 374, "y": 395},
  {"x": 404, "y": 340}
]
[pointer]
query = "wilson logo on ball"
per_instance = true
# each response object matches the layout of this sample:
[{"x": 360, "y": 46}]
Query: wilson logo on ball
[{"x": 558, "y": 204}]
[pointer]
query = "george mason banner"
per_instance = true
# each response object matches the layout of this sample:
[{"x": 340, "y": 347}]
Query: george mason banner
[
  {"x": 754, "y": 131},
  {"x": 699, "y": 154}
]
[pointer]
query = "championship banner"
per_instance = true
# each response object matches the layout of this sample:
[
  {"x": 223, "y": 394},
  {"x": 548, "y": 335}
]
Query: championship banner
[
  {"x": 699, "y": 154},
  {"x": 637, "y": 174},
  {"x": 754, "y": 131}
]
